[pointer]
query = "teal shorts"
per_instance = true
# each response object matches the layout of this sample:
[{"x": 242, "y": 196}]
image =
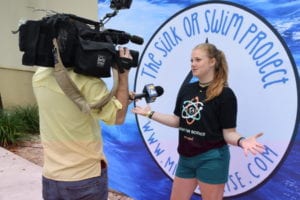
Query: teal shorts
[{"x": 210, "y": 167}]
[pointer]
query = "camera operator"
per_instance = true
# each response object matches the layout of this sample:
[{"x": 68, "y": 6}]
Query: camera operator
[{"x": 75, "y": 166}]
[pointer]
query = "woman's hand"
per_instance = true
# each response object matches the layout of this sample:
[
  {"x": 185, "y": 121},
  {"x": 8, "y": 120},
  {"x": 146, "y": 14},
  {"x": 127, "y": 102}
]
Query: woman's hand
[
  {"x": 142, "y": 110},
  {"x": 250, "y": 144}
]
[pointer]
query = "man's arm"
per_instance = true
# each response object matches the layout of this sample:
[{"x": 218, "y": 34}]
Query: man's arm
[{"x": 122, "y": 93}]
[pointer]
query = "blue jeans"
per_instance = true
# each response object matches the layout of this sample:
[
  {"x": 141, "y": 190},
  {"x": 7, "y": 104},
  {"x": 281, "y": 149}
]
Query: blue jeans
[{"x": 95, "y": 188}]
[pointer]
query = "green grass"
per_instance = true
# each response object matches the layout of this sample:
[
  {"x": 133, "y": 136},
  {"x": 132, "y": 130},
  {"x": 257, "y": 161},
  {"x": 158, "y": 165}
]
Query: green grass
[{"x": 18, "y": 123}]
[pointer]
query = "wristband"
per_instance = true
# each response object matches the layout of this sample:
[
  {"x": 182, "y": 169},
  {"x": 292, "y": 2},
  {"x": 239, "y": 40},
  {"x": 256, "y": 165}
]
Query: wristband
[
  {"x": 147, "y": 114},
  {"x": 150, "y": 114},
  {"x": 239, "y": 141}
]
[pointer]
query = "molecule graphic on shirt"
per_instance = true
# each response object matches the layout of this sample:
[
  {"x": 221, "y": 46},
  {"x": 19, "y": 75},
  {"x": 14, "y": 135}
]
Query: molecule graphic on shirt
[{"x": 192, "y": 110}]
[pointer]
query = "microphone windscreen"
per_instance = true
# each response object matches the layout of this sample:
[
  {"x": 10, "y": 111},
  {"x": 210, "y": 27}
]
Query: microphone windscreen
[
  {"x": 159, "y": 90},
  {"x": 136, "y": 39}
]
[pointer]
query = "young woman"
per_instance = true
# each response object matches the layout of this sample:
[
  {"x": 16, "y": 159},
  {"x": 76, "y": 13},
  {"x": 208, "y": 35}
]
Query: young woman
[{"x": 205, "y": 114}]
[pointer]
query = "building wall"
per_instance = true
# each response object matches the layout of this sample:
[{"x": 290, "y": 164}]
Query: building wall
[{"x": 15, "y": 78}]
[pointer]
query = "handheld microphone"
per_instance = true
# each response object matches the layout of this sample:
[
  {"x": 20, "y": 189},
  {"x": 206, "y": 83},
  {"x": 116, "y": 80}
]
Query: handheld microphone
[{"x": 150, "y": 92}]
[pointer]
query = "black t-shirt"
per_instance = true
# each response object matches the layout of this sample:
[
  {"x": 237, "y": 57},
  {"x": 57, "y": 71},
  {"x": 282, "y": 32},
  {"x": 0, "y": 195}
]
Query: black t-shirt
[{"x": 201, "y": 123}]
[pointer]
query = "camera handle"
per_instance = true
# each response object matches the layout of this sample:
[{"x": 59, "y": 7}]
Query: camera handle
[{"x": 106, "y": 18}]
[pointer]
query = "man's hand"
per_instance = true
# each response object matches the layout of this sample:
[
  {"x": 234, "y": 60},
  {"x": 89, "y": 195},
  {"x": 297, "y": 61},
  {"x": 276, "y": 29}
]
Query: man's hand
[{"x": 124, "y": 61}]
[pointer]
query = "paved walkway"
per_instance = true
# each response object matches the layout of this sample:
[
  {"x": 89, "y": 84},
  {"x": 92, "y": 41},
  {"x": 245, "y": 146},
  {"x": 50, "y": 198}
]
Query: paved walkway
[{"x": 19, "y": 178}]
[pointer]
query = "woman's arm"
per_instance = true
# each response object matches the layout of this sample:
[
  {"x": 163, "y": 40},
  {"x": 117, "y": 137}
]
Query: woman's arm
[
  {"x": 166, "y": 119},
  {"x": 249, "y": 144}
]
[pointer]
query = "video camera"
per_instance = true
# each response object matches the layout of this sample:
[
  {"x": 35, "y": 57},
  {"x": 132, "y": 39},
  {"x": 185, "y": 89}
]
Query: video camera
[{"x": 84, "y": 45}]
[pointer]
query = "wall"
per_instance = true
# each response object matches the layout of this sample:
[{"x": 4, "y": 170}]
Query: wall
[{"x": 15, "y": 79}]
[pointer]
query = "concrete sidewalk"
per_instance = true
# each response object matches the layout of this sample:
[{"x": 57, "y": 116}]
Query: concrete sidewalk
[{"x": 19, "y": 178}]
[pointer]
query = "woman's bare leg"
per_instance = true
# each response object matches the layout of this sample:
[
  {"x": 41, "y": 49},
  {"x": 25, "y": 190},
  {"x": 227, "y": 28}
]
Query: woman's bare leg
[
  {"x": 211, "y": 191},
  {"x": 183, "y": 188}
]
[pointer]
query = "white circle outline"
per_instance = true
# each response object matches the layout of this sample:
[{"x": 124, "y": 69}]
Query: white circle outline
[{"x": 284, "y": 48}]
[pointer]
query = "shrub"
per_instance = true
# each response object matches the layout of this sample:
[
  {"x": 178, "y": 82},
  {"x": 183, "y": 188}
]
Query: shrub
[
  {"x": 16, "y": 123},
  {"x": 9, "y": 126},
  {"x": 30, "y": 118}
]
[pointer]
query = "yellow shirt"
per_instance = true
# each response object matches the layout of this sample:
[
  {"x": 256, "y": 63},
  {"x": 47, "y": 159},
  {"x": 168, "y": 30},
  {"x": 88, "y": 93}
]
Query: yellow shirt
[{"x": 71, "y": 139}]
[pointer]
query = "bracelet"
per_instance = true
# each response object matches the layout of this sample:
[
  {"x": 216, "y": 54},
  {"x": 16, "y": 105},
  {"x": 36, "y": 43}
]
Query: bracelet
[
  {"x": 147, "y": 114},
  {"x": 239, "y": 141},
  {"x": 150, "y": 114}
]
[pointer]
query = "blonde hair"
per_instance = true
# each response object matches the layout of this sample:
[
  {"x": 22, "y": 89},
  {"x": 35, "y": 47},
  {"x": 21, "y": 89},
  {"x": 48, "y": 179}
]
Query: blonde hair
[{"x": 221, "y": 70}]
